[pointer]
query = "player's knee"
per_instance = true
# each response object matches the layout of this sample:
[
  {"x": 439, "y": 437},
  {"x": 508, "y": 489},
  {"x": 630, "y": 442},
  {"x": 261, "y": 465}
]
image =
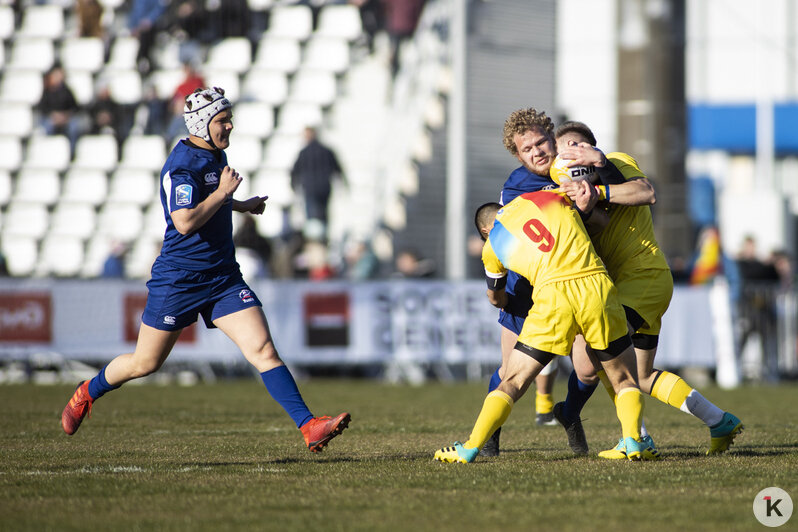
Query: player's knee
[
  {"x": 142, "y": 368},
  {"x": 265, "y": 355}
]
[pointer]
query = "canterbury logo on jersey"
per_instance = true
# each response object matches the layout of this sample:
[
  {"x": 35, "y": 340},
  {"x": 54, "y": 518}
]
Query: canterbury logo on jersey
[{"x": 211, "y": 178}]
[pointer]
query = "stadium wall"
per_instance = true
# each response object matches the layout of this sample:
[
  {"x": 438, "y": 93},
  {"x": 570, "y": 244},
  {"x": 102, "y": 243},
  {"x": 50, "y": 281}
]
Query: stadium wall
[{"x": 328, "y": 323}]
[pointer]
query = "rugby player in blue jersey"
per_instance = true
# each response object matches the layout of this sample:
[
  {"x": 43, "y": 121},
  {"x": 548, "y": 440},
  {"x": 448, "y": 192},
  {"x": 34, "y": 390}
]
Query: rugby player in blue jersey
[{"x": 197, "y": 274}]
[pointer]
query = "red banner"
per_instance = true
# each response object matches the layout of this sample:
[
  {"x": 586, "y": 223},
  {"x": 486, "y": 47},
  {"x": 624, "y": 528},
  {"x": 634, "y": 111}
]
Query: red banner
[{"x": 26, "y": 317}]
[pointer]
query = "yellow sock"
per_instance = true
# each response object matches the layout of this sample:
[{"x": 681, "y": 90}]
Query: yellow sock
[
  {"x": 629, "y": 408},
  {"x": 671, "y": 389},
  {"x": 544, "y": 403},
  {"x": 607, "y": 384},
  {"x": 494, "y": 413}
]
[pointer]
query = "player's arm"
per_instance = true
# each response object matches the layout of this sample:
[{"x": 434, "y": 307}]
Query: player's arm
[
  {"x": 497, "y": 295},
  {"x": 495, "y": 275},
  {"x": 635, "y": 190},
  {"x": 585, "y": 198},
  {"x": 254, "y": 205},
  {"x": 188, "y": 220}
]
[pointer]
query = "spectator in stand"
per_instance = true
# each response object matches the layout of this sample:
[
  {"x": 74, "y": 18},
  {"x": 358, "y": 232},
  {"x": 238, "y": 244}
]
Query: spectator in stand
[
  {"x": 401, "y": 19},
  {"x": 114, "y": 265},
  {"x": 360, "y": 262},
  {"x": 105, "y": 115},
  {"x": 257, "y": 247},
  {"x": 192, "y": 81},
  {"x": 371, "y": 19},
  {"x": 410, "y": 264},
  {"x": 89, "y": 14},
  {"x": 315, "y": 168},
  {"x": 142, "y": 20},
  {"x": 59, "y": 113}
]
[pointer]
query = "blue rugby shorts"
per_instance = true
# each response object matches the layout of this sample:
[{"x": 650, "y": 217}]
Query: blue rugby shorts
[{"x": 176, "y": 298}]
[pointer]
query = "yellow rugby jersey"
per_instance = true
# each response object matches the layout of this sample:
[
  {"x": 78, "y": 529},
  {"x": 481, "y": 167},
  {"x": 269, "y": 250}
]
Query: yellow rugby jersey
[
  {"x": 628, "y": 241},
  {"x": 540, "y": 236}
]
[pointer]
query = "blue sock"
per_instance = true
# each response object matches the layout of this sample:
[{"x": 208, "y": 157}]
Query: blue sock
[
  {"x": 98, "y": 386},
  {"x": 495, "y": 380},
  {"x": 578, "y": 394},
  {"x": 281, "y": 386}
]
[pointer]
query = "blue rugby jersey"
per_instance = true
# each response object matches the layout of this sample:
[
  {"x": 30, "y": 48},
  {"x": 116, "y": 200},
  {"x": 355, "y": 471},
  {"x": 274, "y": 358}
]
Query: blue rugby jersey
[
  {"x": 522, "y": 181},
  {"x": 190, "y": 175}
]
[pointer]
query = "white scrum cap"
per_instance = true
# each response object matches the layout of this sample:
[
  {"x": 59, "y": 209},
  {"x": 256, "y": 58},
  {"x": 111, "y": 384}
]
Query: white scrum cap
[{"x": 201, "y": 106}]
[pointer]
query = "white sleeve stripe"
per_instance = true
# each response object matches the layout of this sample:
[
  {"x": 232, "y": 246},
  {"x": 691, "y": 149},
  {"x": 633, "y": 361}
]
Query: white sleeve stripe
[
  {"x": 492, "y": 275},
  {"x": 166, "y": 183}
]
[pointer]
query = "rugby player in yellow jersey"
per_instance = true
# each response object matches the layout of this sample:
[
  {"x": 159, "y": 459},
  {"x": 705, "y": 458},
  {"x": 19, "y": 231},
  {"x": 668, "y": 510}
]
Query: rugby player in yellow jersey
[
  {"x": 638, "y": 268},
  {"x": 540, "y": 236}
]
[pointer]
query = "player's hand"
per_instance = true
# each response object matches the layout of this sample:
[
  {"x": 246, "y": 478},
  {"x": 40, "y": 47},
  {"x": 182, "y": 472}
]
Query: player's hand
[
  {"x": 254, "y": 205},
  {"x": 229, "y": 181},
  {"x": 583, "y": 154},
  {"x": 585, "y": 196}
]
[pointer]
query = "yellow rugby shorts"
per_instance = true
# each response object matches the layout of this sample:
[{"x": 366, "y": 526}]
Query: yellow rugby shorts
[
  {"x": 588, "y": 305},
  {"x": 649, "y": 293}
]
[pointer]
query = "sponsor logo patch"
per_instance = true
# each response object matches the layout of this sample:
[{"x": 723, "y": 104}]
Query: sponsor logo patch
[
  {"x": 183, "y": 194},
  {"x": 169, "y": 320},
  {"x": 246, "y": 296},
  {"x": 211, "y": 178}
]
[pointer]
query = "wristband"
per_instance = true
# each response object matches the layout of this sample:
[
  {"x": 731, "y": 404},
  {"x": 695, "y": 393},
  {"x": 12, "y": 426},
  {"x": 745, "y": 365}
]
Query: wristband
[{"x": 603, "y": 192}]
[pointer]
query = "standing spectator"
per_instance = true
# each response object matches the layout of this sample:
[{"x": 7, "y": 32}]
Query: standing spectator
[
  {"x": 196, "y": 275},
  {"x": 114, "y": 265},
  {"x": 401, "y": 19},
  {"x": 141, "y": 21},
  {"x": 58, "y": 109},
  {"x": 315, "y": 168},
  {"x": 89, "y": 14}
]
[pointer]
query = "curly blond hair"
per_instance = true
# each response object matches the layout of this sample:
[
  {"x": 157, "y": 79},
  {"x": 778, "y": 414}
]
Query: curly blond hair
[{"x": 521, "y": 121}]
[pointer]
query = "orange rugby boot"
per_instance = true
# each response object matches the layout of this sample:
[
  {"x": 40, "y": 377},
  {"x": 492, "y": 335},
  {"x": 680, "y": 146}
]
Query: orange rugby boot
[
  {"x": 320, "y": 430},
  {"x": 77, "y": 408}
]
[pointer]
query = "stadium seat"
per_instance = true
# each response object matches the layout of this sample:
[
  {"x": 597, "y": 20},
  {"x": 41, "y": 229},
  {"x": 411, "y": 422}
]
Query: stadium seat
[
  {"x": 146, "y": 152},
  {"x": 228, "y": 81},
  {"x": 6, "y": 22},
  {"x": 21, "y": 254},
  {"x": 143, "y": 252},
  {"x": 166, "y": 55},
  {"x": 60, "y": 256},
  {"x": 125, "y": 85},
  {"x": 98, "y": 152},
  {"x": 270, "y": 223},
  {"x": 260, "y": 5},
  {"x": 33, "y": 53},
  {"x": 132, "y": 185},
  {"x": 5, "y": 188},
  {"x": 341, "y": 21},
  {"x": 21, "y": 86},
  {"x": 294, "y": 117},
  {"x": 232, "y": 53},
  {"x": 82, "y": 53},
  {"x": 275, "y": 183},
  {"x": 16, "y": 119},
  {"x": 42, "y": 21},
  {"x": 245, "y": 153},
  {"x": 37, "y": 186},
  {"x": 51, "y": 152},
  {"x": 266, "y": 86},
  {"x": 326, "y": 53},
  {"x": 281, "y": 151},
  {"x": 313, "y": 86},
  {"x": 154, "y": 222},
  {"x": 124, "y": 51},
  {"x": 73, "y": 219},
  {"x": 11, "y": 148},
  {"x": 82, "y": 85},
  {"x": 291, "y": 21},
  {"x": 26, "y": 219},
  {"x": 253, "y": 118},
  {"x": 278, "y": 53},
  {"x": 120, "y": 221},
  {"x": 85, "y": 185},
  {"x": 166, "y": 82},
  {"x": 97, "y": 250}
]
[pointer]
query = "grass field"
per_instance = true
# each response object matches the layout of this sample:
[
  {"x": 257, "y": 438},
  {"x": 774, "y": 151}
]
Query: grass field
[{"x": 226, "y": 457}]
